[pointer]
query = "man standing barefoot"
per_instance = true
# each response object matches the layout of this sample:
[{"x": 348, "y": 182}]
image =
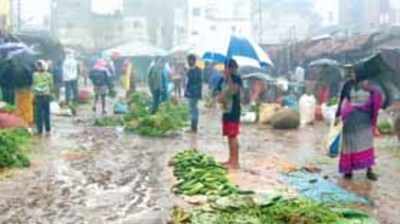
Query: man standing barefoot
[
  {"x": 229, "y": 97},
  {"x": 193, "y": 91}
]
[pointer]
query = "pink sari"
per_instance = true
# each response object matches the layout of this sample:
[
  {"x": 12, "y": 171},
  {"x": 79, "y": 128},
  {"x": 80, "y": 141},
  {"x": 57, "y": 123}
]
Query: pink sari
[{"x": 359, "y": 122}]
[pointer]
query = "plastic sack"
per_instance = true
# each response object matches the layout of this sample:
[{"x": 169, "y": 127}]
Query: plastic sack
[
  {"x": 248, "y": 117},
  {"x": 267, "y": 111},
  {"x": 121, "y": 108},
  {"x": 334, "y": 139},
  {"x": 329, "y": 113},
  {"x": 286, "y": 119},
  {"x": 55, "y": 108},
  {"x": 307, "y": 105}
]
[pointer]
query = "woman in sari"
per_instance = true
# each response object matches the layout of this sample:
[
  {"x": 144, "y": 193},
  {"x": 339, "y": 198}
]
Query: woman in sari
[{"x": 358, "y": 110}]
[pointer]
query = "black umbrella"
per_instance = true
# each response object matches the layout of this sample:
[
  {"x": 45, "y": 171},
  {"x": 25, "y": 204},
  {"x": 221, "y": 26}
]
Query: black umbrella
[
  {"x": 7, "y": 48},
  {"x": 375, "y": 68},
  {"x": 47, "y": 46}
]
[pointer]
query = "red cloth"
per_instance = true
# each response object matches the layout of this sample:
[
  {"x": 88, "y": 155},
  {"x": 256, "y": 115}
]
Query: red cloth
[
  {"x": 231, "y": 129},
  {"x": 318, "y": 113},
  {"x": 323, "y": 94},
  {"x": 11, "y": 121}
]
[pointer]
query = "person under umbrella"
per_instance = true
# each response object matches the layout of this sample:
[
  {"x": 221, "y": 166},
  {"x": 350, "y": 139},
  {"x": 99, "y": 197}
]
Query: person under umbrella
[
  {"x": 102, "y": 82},
  {"x": 229, "y": 96},
  {"x": 42, "y": 90},
  {"x": 358, "y": 109}
]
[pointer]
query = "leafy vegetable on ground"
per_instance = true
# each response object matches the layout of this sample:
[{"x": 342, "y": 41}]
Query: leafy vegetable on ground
[
  {"x": 169, "y": 118},
  {"x": 386, "y": 127},
  {"x": 199, "y": 174},
  {"x": 109, "y": 121},
  {"x": 237, "y": 209},
  {"x": 333, "y": 101},
  {"x": 12, "y": 142}
]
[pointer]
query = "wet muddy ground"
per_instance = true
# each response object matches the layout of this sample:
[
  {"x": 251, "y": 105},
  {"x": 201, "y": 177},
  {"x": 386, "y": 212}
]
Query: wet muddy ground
[{"x": 83, "y": 174}]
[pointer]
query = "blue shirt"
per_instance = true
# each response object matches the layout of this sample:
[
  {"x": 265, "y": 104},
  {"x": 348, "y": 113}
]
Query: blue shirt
[{"x": 194, "y": 84}]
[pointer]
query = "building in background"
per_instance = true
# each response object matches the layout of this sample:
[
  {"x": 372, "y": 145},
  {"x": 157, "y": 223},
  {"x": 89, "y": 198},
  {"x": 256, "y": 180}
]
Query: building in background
[
  {"x": 80, "y": 23},
  {"x": 368, "y": 15},
  {"x": 158, "y": 18},
  {"x": 5, "y": 12},
  {"x": 200, "y": 20},
  {"x": 395, "y": 4},
  {"x": 71, "y": 21},
  {"x": 276, "y": 22}
]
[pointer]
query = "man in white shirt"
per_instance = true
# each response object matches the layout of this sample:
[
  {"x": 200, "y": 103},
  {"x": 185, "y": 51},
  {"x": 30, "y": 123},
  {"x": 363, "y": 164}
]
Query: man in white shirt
[{"x": 70, "y": 70}]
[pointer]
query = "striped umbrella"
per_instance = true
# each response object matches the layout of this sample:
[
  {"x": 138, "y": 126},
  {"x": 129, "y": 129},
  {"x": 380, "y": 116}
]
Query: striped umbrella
[{"x": 242, "y": 49}]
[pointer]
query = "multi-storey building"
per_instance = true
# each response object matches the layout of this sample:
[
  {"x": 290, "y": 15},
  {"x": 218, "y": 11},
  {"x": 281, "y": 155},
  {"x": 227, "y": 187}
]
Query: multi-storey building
[
  {"x": 206, "y": 19},
  {"x": 367, "y": 15}
]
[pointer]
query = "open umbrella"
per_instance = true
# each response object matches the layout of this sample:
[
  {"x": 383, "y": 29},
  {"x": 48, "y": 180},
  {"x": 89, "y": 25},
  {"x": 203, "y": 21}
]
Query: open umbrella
[
  {"x": 10, "y": 49},
  {"x": 329, "y": 70},
  {"x": 324, "y": 62},
  {"x": 44, "y": 44},
  {"x": 242, "y": 49},
  {"x": 136, "y": 49},
  {"x": 375, "y": 68},
  {"x": 260, "y": 76},
  {"x": 244, "y": 70}
]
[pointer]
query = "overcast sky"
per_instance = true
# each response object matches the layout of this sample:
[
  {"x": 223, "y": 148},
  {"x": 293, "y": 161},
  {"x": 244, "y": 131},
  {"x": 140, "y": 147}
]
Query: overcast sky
[{"x": 36, "y": 10}]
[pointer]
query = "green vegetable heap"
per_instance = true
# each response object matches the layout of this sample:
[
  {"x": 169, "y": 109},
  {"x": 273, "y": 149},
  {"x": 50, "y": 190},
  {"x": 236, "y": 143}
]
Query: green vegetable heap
[
  {"x": 237, "y": 209},
  {"x": 199, "y": 174},
  {"x": 333, "y": 101},
  {"x": 170, "y": 117},
  {"x": 385, "y": 127},
  {"x": 11, "y": 148}
]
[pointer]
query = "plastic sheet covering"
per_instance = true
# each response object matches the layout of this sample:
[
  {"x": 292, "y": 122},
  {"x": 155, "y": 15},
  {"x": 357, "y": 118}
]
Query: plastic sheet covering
[{"x": 315, "y": 187}]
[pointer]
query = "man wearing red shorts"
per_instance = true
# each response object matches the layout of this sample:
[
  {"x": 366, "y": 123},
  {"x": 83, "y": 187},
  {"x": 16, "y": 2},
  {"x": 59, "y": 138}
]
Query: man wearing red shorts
[{"x": 229, "y": 97}]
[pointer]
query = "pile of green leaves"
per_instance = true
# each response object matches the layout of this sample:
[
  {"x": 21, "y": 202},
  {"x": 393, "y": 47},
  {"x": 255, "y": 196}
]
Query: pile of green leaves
[
  {"x": 333, "y": 101},
  {"x": 276, "y": 210},
  {"x": 170, "y": 117},
  {"x": 386, "y": 127},
  {"x": 12, "y": 143},
  {"x": 109, "y": 121},
  {"x": 199, "y": 174}
]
